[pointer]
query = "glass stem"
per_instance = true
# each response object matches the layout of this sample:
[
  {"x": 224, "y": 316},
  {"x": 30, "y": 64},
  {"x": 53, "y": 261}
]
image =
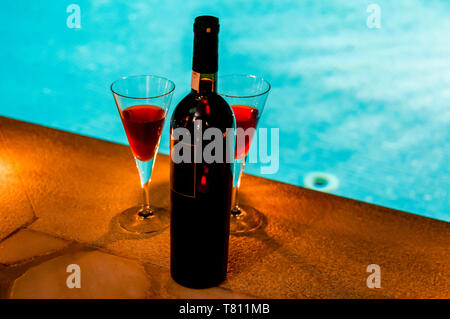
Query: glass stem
[
  {"x": 235, "y": 206},
  {"x": 146, "y": 211}
]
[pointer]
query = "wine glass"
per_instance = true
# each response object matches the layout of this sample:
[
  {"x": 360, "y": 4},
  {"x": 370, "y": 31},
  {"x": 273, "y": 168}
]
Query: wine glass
[
  {"x": 247, "y": 95},
  {"x": 143, "y": 101}
]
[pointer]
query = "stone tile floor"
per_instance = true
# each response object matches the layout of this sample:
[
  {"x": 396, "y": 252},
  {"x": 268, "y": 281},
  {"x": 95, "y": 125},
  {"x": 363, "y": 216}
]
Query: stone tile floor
[
  {"x": 60, "y": 194},
  {"x": 34, "y": 265}
]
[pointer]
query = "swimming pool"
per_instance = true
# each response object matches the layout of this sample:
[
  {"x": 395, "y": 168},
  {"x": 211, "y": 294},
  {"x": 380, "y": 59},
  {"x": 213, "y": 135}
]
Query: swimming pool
[{"x": 365, "y": 109}]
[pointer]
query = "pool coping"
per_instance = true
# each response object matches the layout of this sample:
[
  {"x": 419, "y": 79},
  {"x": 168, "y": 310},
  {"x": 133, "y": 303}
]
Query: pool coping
[{"x": 313, "y": 244}]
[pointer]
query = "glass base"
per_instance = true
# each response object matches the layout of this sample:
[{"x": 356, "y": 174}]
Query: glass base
[
  {"x": 245, "y": 219},
  {"x": 144, "y": 220}
]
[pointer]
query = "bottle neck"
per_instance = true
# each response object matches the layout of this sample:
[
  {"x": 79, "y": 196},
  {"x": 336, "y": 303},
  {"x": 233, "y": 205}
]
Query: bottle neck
[
  {"x": 205, "y": 61},
  {"x": 204, "y": 83}
]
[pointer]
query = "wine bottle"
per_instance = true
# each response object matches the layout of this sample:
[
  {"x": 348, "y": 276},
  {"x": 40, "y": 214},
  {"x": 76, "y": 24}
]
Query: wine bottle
[{"x": 201, "y": 189}]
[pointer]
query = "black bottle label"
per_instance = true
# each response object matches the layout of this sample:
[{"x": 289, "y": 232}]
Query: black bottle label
[{"x": 185, "y": 171}]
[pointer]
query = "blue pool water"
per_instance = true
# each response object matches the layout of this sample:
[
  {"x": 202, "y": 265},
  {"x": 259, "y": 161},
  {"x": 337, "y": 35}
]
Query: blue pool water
[{"x": 368, "y": 108}]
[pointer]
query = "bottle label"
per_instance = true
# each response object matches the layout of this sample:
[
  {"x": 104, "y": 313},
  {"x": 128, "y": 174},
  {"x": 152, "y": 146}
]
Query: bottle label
[
  {"x": 206, "y": 80},
  {"x": 186, "y": 181},
  {"x": 195, "y": 81}
]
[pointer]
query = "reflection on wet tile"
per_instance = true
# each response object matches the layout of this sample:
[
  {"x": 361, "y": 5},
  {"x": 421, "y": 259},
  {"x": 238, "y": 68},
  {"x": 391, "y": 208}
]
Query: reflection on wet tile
[
  {"x": 101, "y": 276},
  {"x": 26, "y": 244}
]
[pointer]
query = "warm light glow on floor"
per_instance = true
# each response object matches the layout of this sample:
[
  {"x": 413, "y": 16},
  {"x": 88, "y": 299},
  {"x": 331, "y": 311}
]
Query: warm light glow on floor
[{"x": 5, "y": 166}]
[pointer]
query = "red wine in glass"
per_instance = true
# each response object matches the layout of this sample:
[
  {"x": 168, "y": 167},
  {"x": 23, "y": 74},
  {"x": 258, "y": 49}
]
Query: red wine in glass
[
  {"x": 143, "y": 125},
  {"x": 246, "y": 117}
]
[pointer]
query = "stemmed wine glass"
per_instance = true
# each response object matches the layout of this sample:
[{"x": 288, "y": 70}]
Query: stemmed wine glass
[
  {"x": 247, "y": 95},
  {"x": 143, "y": 102}
]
